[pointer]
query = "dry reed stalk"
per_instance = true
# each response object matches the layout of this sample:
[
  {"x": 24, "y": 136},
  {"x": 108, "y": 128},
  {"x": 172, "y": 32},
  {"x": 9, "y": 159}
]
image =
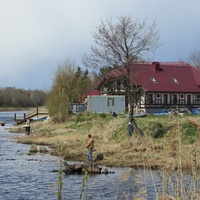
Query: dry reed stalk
[
  {"x": 125, "y": 175},
  {"x": 194, "y": 122}
]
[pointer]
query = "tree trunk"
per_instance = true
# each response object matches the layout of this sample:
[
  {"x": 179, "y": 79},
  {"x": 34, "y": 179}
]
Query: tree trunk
[{"x": 138, "y": 131}]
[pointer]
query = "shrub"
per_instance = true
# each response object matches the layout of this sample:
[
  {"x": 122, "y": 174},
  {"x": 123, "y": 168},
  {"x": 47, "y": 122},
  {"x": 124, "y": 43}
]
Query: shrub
[
  {"x": 33, "y": 149},
  {"x": 157, "y": 130},
  {"x": 80, "y": 117},
  {"x": 189, "y": 130},
  {"x": 189, "y": 133},
  {"x": 102, "y": 115}
]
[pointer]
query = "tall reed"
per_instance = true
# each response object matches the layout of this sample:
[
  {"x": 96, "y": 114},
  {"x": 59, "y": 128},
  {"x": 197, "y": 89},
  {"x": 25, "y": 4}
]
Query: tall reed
[
  {"x": 60, "y": 183},
  {"x": 84, "y": 186},
  {"x": 179, "y": 179}
]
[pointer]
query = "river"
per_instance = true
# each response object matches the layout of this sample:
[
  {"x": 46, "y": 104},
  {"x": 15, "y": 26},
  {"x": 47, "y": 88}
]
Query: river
[{"x": 33, "y": 177}]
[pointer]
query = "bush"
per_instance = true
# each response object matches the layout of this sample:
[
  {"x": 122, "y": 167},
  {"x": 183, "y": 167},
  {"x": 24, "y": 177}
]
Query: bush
[
  {"x": 157, "y": 130},
  {"x": 102, "y": 115},
  {"x": 189, "y": 130},
  {"x": 189, "y": 133},
  {"x": 80, "y": 117}
]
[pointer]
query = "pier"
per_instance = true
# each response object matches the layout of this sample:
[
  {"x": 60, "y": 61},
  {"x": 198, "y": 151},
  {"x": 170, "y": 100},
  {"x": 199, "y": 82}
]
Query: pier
[{"x": 19, "y": 119}]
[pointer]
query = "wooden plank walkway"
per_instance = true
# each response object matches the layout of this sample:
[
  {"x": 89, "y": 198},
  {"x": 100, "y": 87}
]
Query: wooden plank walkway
[{"x": 33, "y": 113}]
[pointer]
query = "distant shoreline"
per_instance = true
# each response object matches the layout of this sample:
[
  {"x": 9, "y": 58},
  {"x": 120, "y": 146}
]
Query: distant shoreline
[{"x": 4, "y": 109}]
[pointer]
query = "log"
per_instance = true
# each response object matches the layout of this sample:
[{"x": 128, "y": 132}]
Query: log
[
  {"x": 68, "y": 168},
  {"x": 2, "y": 123},
  {"x": 91, "y": 168}
]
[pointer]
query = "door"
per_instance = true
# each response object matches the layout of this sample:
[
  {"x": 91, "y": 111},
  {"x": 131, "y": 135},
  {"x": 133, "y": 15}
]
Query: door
[
  {"x": 165, "y": 99},
  {"x": 188, "y": 100},
  {"x": 175, "y": 99}
]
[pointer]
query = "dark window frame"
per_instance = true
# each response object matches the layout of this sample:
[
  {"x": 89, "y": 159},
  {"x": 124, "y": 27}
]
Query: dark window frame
[{"x": 111, "y": 102}]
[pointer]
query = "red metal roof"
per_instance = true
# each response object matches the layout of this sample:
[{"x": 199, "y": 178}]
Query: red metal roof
[
  {"x": 164, "y": 76},
  {"x": 92, "y": 93}
]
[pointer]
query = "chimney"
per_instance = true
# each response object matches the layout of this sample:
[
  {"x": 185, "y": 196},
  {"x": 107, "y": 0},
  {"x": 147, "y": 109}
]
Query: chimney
[{"x": 156, "y": 66}]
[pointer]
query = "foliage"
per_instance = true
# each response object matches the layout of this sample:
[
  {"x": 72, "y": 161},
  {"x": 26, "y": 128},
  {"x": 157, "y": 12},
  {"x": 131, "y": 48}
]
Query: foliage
[
  {"x": 33, "y": 149},
  {"x": 156, "y": 130},
  {"x": 58, "y": 106},
  {"x": 80, "y": 118},
  {"x": 103, "y": 115},
  {"x": 68, "y": 87},
  {"x": 189, "y": 133}
]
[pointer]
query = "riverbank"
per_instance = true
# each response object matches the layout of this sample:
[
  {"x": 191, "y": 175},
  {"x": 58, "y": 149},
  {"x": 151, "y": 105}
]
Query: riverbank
[
  {"x": 3, "y": 109},
  {"x": 111, "y": 141}
]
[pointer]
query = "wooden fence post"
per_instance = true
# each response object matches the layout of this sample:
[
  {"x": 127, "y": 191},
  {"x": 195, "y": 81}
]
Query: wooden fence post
[{"x": 37, "y": 111}]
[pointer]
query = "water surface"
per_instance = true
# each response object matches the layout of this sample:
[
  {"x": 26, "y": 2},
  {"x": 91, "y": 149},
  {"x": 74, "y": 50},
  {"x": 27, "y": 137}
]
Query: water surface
[{"x": 31, "y": 177}]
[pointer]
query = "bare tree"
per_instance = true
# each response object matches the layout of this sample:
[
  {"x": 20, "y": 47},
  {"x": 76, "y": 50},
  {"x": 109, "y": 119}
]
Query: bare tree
[
  {"x": 120, "y": 44},
  {"x": 194, "y": 59}
]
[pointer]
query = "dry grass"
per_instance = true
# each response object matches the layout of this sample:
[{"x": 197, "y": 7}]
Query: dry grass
[{"x": 110, "y": 136}]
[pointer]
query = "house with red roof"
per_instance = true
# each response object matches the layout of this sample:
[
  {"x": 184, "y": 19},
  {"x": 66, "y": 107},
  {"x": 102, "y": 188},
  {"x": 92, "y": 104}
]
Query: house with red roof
[{"x": 162, "y": 85}]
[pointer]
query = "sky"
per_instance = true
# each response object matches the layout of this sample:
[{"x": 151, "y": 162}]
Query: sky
[{"x": 36, "y": 36}]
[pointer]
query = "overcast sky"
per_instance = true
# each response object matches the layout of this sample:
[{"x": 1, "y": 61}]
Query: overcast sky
[{"x": 38, "y": 35}]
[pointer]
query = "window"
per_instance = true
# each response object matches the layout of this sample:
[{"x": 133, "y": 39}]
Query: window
[
  {"x": 182, "y": 96},
  {"x": 175, "y": 99},
  {"x": 157, "y": 96},
  {"x": 150, "y": 98},
  {"x": 165, "y": 98},
  {"x": 153, "y": 79},
  {"x": 188, "y": 100},
  {"x": 175, "y": 81},
  {"x": 110, "y": 102},
  {"x": 198, "y": 96}
]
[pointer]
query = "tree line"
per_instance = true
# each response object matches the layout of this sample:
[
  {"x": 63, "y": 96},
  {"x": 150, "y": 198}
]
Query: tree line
[
  {"x": 14, "y": 97},
  {"x": 69, "y": 84}
]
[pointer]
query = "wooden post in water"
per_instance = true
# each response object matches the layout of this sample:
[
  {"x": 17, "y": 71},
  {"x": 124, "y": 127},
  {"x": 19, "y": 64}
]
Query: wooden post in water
[{"x": 37, "y": 111}]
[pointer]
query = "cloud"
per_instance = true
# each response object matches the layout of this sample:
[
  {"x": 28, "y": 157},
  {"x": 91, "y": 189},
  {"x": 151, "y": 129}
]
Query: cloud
[{"x": 36, "y": 36}]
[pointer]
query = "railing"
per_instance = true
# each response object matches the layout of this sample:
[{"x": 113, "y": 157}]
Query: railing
[{"x": 36, "y": 112}]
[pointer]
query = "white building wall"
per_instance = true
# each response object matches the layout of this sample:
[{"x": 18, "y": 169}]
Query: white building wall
[{"x": 99, "y": 104}]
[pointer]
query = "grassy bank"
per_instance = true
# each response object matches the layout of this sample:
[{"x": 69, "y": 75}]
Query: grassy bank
[{"x": 168, "y": 140}]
